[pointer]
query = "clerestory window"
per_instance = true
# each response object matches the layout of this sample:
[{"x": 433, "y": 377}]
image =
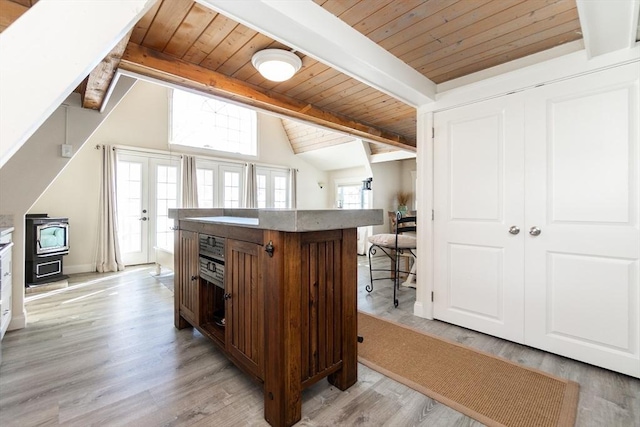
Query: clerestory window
[{"x": 207, "y": 123}]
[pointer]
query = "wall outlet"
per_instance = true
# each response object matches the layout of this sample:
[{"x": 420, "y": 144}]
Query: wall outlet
[{"x": 66, "y": 150}]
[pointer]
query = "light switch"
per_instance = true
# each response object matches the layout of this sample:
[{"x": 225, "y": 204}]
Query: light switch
[{"x": 66, "y": 150}]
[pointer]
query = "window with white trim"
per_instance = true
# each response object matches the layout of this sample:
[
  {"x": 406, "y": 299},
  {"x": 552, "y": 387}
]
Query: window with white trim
[
  {"x": 273, "y": 188},
  {"x": 220, "y": 184},
  {"x": 351, "y": 196},
  {"x": 261, "y": 181},
  {"x": 231, "y": 188},
  {"x": 205, "y": 122},
  {"x": 206, "y": 179}
]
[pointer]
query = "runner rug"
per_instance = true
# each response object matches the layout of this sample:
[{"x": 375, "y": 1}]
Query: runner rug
[{"x": 492, "y": 390}]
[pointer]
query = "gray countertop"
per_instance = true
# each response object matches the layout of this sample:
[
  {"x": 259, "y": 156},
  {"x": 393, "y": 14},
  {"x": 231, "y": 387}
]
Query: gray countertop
[{"x": 283, "y": 219}]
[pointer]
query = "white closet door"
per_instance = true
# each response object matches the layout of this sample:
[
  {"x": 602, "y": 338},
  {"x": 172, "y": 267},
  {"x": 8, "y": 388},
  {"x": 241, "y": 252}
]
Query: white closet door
[
  {"x": 479, "y": 187},
  {"x": 582, "y": 190}
]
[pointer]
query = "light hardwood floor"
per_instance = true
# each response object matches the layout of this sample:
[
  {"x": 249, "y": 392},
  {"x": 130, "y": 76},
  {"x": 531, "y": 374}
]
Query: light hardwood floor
[{"x": 105, "y": 352}]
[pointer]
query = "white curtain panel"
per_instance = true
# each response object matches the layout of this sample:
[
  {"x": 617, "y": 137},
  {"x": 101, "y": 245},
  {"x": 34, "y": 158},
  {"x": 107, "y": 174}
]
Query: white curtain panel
[
  {"x": 189, "y": 182},
  {"x": 250, "y": 197},
  {"x": 293, "y": 184},
  {"x": 108, "y": 256}
]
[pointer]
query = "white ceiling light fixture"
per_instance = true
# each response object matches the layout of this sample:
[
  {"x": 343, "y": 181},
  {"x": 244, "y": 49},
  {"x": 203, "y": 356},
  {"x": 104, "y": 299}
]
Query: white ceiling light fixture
[{"x": 276, "y": 65}]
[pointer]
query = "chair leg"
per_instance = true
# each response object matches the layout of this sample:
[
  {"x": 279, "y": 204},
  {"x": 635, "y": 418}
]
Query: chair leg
[
  {"x": 396, "y": 280},
  {"x": 369, "y": 287}
]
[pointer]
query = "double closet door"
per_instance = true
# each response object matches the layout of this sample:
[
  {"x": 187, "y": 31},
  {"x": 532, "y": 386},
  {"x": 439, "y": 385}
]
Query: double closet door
[{"x": 536, "y": 233}]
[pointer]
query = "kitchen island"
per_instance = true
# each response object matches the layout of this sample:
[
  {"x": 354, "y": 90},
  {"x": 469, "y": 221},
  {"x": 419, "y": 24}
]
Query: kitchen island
[{"x": 276, "y": 291}]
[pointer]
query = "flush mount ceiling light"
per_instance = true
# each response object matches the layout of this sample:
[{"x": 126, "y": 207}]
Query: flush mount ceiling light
[{"x": 276, "y": 65}]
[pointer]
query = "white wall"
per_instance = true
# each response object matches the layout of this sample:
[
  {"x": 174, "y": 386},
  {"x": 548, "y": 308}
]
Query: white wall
[
  {"x": 274, "y": 148},
  {"x": 141, "y": 120},
  {"x": 29, "y": 172},
  {"x": 388, "y": 179},
  {"x": 407, "y": 166}
]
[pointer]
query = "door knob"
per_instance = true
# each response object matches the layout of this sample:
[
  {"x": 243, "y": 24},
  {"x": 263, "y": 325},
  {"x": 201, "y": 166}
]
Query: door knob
[
  {"x": 535, "y": 231},
  {"x": 144, "y": 218},
  {"x": 227, "y": 296},
  {"x": 514, "y": 230}
]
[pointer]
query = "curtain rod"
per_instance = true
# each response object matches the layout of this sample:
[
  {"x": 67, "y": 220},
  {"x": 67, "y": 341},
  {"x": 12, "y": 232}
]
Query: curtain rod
[
  {"x": 181, "y": 155},
  {"x": 141, "y": 150}
]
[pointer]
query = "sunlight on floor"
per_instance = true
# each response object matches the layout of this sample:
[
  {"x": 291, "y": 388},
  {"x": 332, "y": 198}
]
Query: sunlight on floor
[{"x": 78, "y": 285}]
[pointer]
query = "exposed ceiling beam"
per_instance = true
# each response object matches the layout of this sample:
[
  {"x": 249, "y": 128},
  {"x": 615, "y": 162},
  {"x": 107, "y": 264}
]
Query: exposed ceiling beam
[
  {"x": 101, "y": 77},
  {"x": 305, "y": 26},
  {"x": 607, "y": 25},
  {"x": 157, "y": 65}
]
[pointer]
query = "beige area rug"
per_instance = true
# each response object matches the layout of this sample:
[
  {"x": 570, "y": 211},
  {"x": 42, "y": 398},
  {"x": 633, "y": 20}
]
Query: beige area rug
[{"x": 492, "y": 390}]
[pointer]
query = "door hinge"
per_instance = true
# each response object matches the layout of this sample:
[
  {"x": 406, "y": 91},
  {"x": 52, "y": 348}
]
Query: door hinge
[
  {"x": 431, "y": 296},
  {"x": 433, "y": 133},
  {"x": 433, "y": 215}
]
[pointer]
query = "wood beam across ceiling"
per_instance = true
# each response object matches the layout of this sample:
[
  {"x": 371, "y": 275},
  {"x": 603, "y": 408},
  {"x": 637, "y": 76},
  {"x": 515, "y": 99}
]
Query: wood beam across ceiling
[
  {"x": 150, "y": 63},
  {"x": 98, "y": 82}
]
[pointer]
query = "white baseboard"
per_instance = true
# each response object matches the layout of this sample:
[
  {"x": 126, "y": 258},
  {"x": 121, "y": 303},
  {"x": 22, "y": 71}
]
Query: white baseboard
[
  {"x": 421, "y": 311},
  {"x": 18, "y": 321},
  {"x": 81, "y": 268}
]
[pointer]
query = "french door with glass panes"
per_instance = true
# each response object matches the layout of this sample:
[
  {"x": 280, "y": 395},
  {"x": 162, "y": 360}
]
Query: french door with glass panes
[
  {"x": 273, "y": 188},
  {"x": 219, "y": 184},
  {"x": 147, "y": 186}
]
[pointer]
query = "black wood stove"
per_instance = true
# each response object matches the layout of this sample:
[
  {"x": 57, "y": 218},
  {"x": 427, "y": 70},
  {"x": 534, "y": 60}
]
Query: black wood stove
[{"x": 47, "y": 241}]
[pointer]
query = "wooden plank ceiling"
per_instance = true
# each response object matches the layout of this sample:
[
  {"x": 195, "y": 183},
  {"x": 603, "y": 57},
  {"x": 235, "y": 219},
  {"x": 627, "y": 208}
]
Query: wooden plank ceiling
[{"x": 185, "y": 43}]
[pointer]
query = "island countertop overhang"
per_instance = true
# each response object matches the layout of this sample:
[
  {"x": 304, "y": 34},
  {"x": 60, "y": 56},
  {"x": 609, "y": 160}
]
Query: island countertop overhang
[{"x": 289, "y": 220}]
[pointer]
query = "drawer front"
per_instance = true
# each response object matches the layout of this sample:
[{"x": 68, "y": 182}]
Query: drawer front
[
  {"x": 212, "y": 270},
  {"x": 212, "y": 246}
]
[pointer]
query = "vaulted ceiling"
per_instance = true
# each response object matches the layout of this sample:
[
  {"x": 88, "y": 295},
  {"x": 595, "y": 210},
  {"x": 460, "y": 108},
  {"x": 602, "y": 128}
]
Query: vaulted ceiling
[{"x": 189, "y": 44}]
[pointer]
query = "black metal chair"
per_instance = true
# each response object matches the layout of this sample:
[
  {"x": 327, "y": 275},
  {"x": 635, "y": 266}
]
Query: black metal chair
[{"x": 393, "y": 245}]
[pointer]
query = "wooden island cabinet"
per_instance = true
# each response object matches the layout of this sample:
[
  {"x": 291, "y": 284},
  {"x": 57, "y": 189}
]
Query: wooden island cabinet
[{"x": 276, "y": 291}]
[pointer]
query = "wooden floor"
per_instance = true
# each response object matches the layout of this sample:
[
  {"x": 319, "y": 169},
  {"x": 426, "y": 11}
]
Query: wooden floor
[{"x": 104, "y": 352}]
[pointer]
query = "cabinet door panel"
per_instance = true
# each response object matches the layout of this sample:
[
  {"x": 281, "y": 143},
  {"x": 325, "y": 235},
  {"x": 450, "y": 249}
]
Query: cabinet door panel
[
  {"x": 187, "y": 276},
  {"x": 6, "y": 286},
  {"x": 245, "y": 307},
  {"x": 479, "y": 185},
  {"x": 582, "y": 281}
]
